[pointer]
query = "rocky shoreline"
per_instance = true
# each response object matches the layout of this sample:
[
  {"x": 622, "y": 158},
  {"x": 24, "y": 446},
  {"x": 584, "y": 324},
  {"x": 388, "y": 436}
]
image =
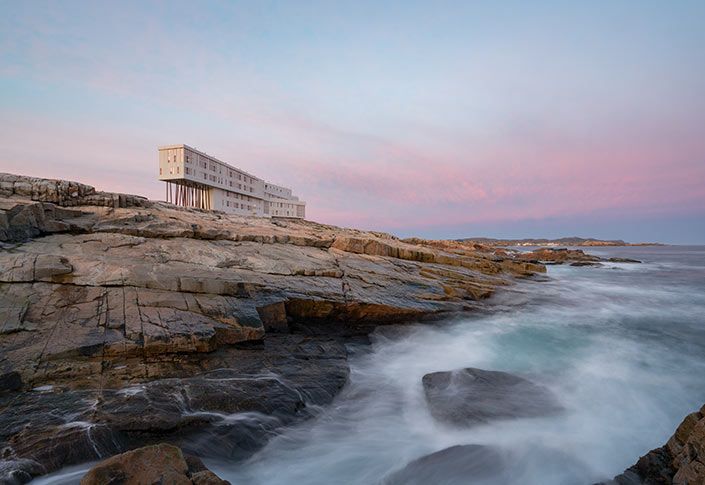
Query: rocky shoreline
[{"x": 127, "y": 323}]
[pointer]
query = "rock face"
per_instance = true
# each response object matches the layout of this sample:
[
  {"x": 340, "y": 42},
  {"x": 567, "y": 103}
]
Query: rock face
[
  {"x": 467, "y": 397},
  {"x": 681, "y": 461},
  {"x": 124, "y": 321},
  {"x": 161, "y": 463},
  {"x": 457, "y": 464}
]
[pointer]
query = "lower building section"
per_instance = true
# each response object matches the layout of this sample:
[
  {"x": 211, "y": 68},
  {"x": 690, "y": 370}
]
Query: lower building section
[
  {"x": 189, "y": 194},
  {"x": 186, "y": 193}
]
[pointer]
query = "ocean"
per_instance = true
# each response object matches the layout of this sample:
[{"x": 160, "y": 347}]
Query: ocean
[{"x": 621, "y": 346}]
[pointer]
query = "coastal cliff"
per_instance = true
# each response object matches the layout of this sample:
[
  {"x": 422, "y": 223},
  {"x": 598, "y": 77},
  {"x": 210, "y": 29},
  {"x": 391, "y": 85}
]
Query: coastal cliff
[{"x": 127, "y": 322}]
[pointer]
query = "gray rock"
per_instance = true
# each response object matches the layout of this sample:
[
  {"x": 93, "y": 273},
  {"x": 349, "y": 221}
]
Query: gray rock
[
  {"x": 462, "y": 464},
  {"x": 468, "y": 397}
]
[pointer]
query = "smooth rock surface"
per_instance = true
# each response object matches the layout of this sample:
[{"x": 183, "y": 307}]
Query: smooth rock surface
[{"x": 468, "y": 397}]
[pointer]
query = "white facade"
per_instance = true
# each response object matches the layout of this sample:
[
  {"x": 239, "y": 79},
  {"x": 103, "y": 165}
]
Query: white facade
[{"x": 195, "y": 179}]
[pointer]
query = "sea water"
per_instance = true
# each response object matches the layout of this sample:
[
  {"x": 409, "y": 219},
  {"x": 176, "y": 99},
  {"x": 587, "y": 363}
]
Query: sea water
[{"x": 622, "y": 346}]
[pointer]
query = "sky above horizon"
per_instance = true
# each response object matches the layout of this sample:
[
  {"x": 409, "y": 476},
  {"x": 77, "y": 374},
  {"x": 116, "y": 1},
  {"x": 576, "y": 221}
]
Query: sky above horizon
[{"x": 437, "y": 119}]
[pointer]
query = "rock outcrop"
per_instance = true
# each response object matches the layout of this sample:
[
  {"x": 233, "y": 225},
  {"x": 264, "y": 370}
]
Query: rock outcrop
[
  {"x": 681, "y": 461},
  {"x": 574, "y": 257},
  {"x": 468, "y": 397},
  {"x": 161, "y": 463},
  {"x": 123, "y": 320}
]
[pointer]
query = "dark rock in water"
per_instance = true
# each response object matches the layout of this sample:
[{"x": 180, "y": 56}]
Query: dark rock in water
[
  {"x": 654, "y": 468},
  {"x": 16, "y": 472},
  {"x": 680, "y": 462},
  {"x": 462, "y": 464},
  {"x": 585, "y": 263},
  {"x": 623, "y": 260},
  {"x": 229, "y": 411},
  {"x": 558, "y": 256},
  {"x": 10, "y": 381},
  {"x": 152, "y": 464},
  {"x": 471, "y": 396}
]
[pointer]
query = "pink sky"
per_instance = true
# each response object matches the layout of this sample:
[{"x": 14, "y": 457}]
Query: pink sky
[{"x": 445, "y": 130}]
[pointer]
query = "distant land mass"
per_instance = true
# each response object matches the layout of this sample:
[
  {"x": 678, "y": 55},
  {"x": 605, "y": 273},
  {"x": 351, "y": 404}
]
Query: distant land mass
[{"x": 564, "y": 241}]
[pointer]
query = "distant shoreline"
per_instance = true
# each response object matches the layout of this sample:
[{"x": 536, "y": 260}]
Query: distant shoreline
[{"x": 566, "y": 241}]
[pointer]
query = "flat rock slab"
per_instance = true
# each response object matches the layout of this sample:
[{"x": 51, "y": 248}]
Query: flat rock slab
[
  {"x": 468, "y": 397},
  {"x": 461, "y": 464}
]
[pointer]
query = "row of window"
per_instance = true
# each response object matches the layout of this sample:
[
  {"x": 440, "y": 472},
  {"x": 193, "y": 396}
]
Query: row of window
[
  {"x": 215, "y": 167},
  {"x": 212, "y": 178},
  {"x": 237, "y": 205},
  {"x": 171, "y": 170},
  {"x": 238, "y": 196}
]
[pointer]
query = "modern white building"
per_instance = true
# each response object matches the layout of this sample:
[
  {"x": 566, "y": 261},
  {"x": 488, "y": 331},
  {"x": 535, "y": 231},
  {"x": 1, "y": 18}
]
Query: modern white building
[{"x": 195, "y": 179}]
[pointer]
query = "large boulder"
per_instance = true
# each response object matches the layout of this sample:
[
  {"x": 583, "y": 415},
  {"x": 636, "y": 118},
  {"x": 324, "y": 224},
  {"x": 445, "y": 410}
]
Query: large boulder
[
  {"x": 161, "y": 463},
  {"x": 461, "y": 464},
  {"x": 467, "y": 397}
]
